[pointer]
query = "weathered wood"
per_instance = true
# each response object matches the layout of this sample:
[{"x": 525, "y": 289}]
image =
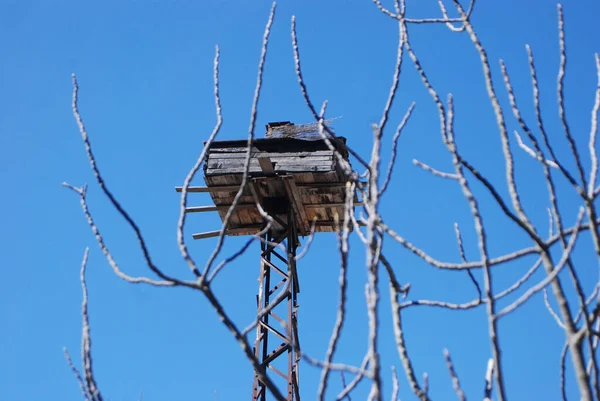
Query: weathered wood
[
  {"x": 278, "y": 169},
  {"x": 225, "y": 154},
  {"x": 266, "y": 165},
  {"x": 320, "y": 226},
  {"x": 262, "y": 162},
  {"x": 230, "y": 231},
  {"x": 296, "y": 201},
  {"x": 255, "y": 194},
  {"x": 224, "y": 188},
  {"x": 232, "y": 150},
  {"x": 200, "y": 209},
  {"x": 341, "y": 204}
]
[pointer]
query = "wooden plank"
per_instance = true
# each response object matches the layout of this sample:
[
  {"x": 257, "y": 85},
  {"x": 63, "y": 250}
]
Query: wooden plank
[
  {"x": 278, "y": 169},
  {"x": 341, "y": 204},
  {"x": 232, "y": 150},
  {"x": 321, "y": 226},
  {"x": 296, "y": 200},
  {"x": 231, "y": 231},
  {"x": 195, "y": 189},
  {"x": 241, "y": 155},
  {"x": 277, "y": 158},
  {"x": 266, "y": 165},
  {"x": 235, "y": 188},
  {"x": 200, "y": 209}
]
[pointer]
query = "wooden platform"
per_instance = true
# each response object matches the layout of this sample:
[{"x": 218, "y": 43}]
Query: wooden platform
[{"x": 284, "y": 172}]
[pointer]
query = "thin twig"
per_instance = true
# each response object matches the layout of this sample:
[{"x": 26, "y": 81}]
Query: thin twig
[
  {"x": 593, "y": 134},
  {"x": 461, "y": 249},
  {"x": 455, "y": 381},
  {"x": 561, "y": 95},
  {"x": 341, "y": 310},
  {"x": 433, "y": 171},
  {"x": 82, "y": 192},
  {"x": 531, "y": 153},
  {"x": 542, "y": 284},
  {"x": 75, "y": 371},
  {"x": 190, "y": 176},
  {"x": 104, "y": 187},
  {"x": 394, "y": 150},
  {"x": 395, "y": 385},
  {"x": 86, "y": 340},
  {"x": 540, "y": 121},
  {"x": 481, "y": 235},
  {"x": 357, "y": 379},
  {"x": 487, "y": 394},
  {"x": 552, "y": 312},
  {"x": 253, "y": 113},
  {"x": 563, "y": 359},
  {"x": 343, "y": 378},
  {"x": 401, "y": 346},
  {"x": 340, "y": 159}
]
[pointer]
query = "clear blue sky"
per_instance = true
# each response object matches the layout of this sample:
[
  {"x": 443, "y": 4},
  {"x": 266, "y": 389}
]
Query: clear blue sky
[{"x": 145, "y": 71}]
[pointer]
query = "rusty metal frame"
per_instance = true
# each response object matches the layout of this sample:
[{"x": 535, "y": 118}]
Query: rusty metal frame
[{"x": 286, "y": 333}]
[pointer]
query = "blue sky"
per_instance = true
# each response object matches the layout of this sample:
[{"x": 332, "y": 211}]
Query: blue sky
[{"x": 145, "y": 72}]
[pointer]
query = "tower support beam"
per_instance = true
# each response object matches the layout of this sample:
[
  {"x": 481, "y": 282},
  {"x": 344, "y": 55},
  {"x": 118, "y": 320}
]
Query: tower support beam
[{"x": 276, "y": 336}]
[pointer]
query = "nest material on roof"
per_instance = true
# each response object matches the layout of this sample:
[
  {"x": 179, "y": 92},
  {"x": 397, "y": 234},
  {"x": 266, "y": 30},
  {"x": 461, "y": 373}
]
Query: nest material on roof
[{"x": 286, "y": 129}]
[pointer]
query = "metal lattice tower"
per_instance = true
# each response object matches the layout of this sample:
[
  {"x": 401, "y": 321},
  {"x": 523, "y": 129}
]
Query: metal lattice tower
[
  {"x": 280, "y": 323},
  {"x": 296, "y": 179}
]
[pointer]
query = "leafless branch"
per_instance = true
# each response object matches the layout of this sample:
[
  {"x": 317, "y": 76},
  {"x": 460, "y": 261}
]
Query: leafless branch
[
  {"x": 552, "y": 312},
  {"x": 357, "y": 379},
  {"x": 82, "y": 192},
  {"x": 89, "y": 388},
  {"x": 542, "y": 284},
  {"x": 341, "y": 312},
  {"x": 188, "y": 179},
  {"x": 433, "y": 171},
  {"x": 393, "y": 155},
  {"x": 481, "y": 234},
  {"x": 455, "y": 382},
  {"x": 395, "y": 385},
  {"x": 253, "y": 113},
  {"x": 540, "y": 122},
  {"x": 561, "y": 96},
  {"x": 593, "y": 134},
  {"x": 103, "y": 186},
  {"x": 343, "y": 163},
  {"x": 344, "y": 385},
  {"x": 531, "y": 153},
  {"x": 401, "y": 346},
  {"x": 488, "y": 380},
  {"x": 309, "y": 241},
  {"x": 75, "y": 371},
  {"x": 461, "y": 249},
  {"x": 563, "y": 358}
]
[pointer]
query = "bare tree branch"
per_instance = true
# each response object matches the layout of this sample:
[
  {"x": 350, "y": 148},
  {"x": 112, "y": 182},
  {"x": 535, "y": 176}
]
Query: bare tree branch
[
  {"x": 395, "y": 385},
  {"x": 188, "y": 179},
  {"x": 82, "y": 192},
  {"x": 542, "y": 284},
  {"x": 433, "y": 171},
  {"x": 395, "y": 139},
  {"x": 253, "y": 113},
  {"x": 75, "y": 371},
  {"x": 487, "y": 394},
  {"x": 103, "y": 186},
  {"x": 341, "y": 312},
  {"x": 455, "y": 382}
]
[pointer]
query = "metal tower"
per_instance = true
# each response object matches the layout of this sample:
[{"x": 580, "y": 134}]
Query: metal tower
[{"x": 296, "y": 179}]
